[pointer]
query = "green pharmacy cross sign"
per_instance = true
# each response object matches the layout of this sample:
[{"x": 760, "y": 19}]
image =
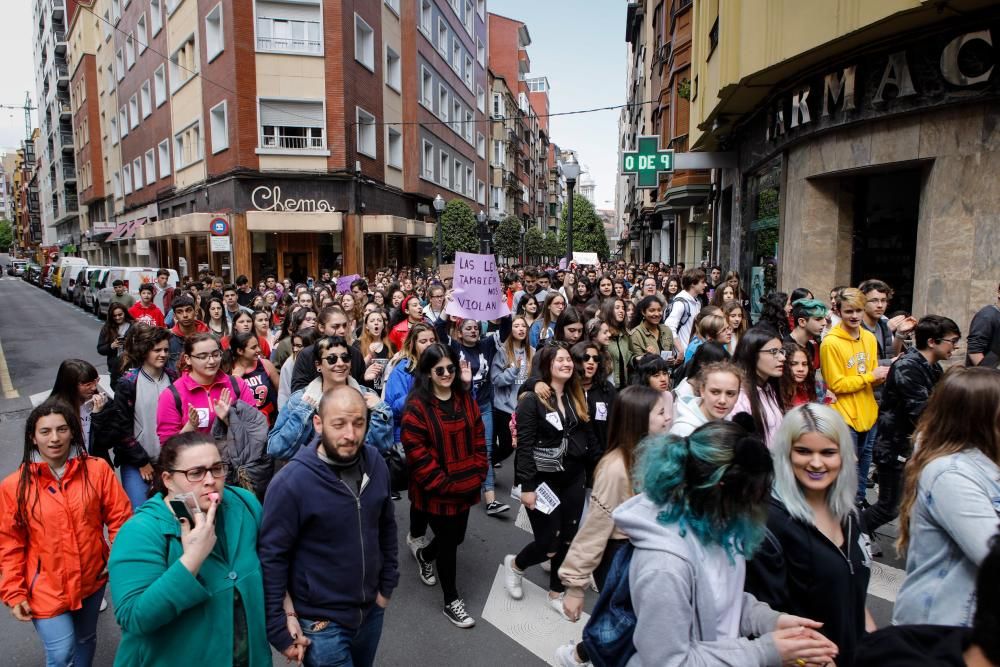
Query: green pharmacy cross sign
[{"x": 648, "y": 162}]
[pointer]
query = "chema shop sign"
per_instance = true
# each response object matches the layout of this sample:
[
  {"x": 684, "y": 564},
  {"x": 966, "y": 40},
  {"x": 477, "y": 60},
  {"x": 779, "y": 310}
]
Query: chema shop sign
[
  {"x": 270, "y": 198},
  {"x": 934, "y": 71}
]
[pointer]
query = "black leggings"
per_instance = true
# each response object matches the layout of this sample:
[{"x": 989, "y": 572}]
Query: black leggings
[
  {"x": 890, "y": 488},
  {"x": 418, "y": 522},
  {"x": 554, "y": 532},
  {"x": 449, "y": 532},
  {"x": 501, "y": 431}
]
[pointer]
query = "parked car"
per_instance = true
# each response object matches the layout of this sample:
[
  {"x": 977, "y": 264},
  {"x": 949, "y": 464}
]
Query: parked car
[
  {"x": 97, "y": 280},
  {"x": 79, "y": 296},
  {"x": 16, "y": 267},
  {"x": 33, "y": 274}
]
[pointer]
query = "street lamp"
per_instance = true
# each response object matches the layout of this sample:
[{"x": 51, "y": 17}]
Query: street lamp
[
  {"x": 483, "y": 238},
  {"x": 524, "y": 247},
  {"x": 438, "y": 210},
  {"x": 571, "y": 170}
]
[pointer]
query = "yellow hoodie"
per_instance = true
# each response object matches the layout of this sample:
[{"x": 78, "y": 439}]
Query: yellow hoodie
[{"x": 847, "y": 363}]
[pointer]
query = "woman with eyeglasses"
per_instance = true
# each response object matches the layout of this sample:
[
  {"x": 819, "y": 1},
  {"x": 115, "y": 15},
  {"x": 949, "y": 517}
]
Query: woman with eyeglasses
[
  {"x": 294, "y": 427},
  {"x": 556, "y": 443},
  {"x": 187, "y": 585},
  {"x": 202, "y": 393},
  {"x": 542, "y": 329},
  {"x": 53, "y": 512},
  {"x": 761, "y": 356},
  {"x": 77, "y": 385},
  {"x": 445, "y": 445}
]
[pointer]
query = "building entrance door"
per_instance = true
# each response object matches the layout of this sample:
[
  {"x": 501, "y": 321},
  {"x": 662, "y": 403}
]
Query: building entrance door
[
  {"x": 885, "y": 232},
  {"x": 296, "y": 266}
]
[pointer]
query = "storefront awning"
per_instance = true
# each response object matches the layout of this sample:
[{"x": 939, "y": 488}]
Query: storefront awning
[
  {"x": 119, "y": 230},
  {"x": 133, "y": 227}
]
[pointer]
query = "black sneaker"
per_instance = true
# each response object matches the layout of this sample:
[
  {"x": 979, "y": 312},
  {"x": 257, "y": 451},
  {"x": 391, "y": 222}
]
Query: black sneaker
[
  {"x": 497, "y": 465},
  {"x": 425, "y": 569},
  {"x": 455, "y": 612},
  {"x": 495, "y": 508}
]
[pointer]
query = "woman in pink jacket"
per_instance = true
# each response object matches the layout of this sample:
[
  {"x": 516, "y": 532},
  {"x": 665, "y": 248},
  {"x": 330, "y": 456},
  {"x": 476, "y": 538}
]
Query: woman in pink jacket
[{"x": 202, "y": 393}]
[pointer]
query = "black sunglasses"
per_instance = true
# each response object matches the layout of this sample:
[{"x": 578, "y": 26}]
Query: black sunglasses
[
  {"x": 332, "y": 358},
  {"x": 590, "y": 357},
  {"x": 441, "y": 371}
]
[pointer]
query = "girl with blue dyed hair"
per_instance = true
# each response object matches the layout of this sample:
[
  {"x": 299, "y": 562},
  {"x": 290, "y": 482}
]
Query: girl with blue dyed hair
[{"x": 702, "y": 513}]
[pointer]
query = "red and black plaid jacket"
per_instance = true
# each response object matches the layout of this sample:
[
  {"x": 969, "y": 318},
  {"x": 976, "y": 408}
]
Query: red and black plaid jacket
[{"x": 445, "y": 453}]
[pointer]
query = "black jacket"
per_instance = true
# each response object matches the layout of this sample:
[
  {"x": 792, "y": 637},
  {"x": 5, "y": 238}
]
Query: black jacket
[
  {"x": 535, "y": 431},
  {"x": 800, "y": 571},
  {"x": 112, "y": 355},
  {"x": 116, "y": 422},
  {"x": 599, "y": 400},
  {"x": 907, "y": 389},
  {"x": 914, "y": 646}
]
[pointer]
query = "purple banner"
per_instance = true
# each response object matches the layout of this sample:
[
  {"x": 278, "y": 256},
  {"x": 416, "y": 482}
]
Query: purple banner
[
  {"x": 344, "y": 283},
  {"x": 478, "y": 292}
]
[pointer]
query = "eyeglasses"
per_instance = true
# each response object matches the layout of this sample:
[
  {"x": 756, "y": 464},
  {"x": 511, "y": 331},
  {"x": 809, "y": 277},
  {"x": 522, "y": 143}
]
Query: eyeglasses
[
  {"x": 775, "y": 351},
  {"x": 205, "y": 356},
  {"x": 878, "y": 301},
  {"x": 218, "y": 471},
  {"x": 953, "y": 341},
  {"x": 590, "y": 357},
  {"x": 441, "y": 371},
  {"x": 332, "y": 358}
]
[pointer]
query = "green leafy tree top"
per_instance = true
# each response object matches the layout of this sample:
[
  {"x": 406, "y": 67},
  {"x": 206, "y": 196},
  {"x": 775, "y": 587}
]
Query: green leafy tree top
[
  {"x": 459, "y": 228},
  {"x": 507, "y": 238},
  {"x": 534, "y": 243},
  {"x": 588, "y": 230},
  {"x": 6, "y": 235}
]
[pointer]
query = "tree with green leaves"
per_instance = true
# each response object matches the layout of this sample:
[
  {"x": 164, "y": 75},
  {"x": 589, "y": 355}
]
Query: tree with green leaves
[
  {"x": 507, "y": 238},
  {"x": 534, "y": 244},
  {"x": 6, "y": 235},
  {"x": 588, "y": 230},
  {"x": 553, "y": 247},
  {"x": 459, "y": 228}
]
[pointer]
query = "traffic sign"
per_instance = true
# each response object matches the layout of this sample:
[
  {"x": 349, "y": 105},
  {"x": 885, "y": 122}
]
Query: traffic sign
[
  {"x": 219, "y": 227},
  {"x": 648, "y": 162}
]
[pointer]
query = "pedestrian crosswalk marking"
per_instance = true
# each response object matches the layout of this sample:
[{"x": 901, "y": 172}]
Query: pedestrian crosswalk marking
[
  {"x": 530, "y": 621},
  {"x": 885, "y": 581}
]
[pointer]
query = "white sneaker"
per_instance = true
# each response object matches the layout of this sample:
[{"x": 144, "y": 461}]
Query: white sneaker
[
  {"x": 104, "y": 604},
  {"x": 415, "y": 543},
  {"x": 512, "y": 578},
  {"x": 556, "y": 603},
  {"x": 566, "y": 656}
]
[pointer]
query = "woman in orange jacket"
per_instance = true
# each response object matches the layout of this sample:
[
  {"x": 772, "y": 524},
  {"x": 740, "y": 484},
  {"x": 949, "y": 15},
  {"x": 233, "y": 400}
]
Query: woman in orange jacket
[{"x": 53, "y": 555}]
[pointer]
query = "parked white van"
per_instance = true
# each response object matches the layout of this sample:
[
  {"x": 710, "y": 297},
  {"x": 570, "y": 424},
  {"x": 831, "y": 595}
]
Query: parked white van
[
  {"x": 67, "y": 269},
  {"x": 133, "y": 277},
  {"x": 96, "y": 283}
]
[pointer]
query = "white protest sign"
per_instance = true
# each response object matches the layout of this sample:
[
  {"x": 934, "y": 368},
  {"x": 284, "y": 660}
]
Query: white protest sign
[
  {"x": 478, "y": 291},
  {"x": 585, "y": 258}
]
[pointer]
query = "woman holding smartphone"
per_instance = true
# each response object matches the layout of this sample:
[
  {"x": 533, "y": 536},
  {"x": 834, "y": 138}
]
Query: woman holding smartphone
[
  {"x": 53, "y": 512},
  {"x": 77, "y": 385},
  {"x": 111, "y": 341},
  {"x": 185, "y": 578}
]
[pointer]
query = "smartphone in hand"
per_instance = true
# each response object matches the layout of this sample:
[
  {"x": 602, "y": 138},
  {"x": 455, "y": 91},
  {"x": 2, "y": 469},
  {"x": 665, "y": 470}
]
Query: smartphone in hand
[{"x": 185, "y": 506}]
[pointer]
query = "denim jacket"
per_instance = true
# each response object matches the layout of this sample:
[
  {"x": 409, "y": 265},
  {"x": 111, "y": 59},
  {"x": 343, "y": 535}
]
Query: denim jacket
[
  {"x": 956, "y": 513},
  {"x": 294, "y": 427}
]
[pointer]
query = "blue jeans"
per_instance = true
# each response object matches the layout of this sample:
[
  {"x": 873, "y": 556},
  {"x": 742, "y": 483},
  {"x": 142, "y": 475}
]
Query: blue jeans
[
  {"x": 337, "y": 646},
  {"x": 486, "y": 412},
  {"x": 863, "y": 443},
  {"x": 136, "y": 488},
  {"x": 71, "y": 638}
]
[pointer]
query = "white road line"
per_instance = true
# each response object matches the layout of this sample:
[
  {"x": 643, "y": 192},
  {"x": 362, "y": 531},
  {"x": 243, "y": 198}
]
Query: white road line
[
  {"x": 530, "y": 621},
  {"x": 6, "y": 384}
]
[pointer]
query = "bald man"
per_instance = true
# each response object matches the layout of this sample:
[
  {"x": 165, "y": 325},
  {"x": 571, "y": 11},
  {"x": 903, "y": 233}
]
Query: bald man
[{"x": 335, "y": 487}]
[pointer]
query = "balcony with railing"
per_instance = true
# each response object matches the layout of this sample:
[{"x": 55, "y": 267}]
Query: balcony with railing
[
  {"x": 293, "y": 141},
  {"x": 66, "y": 141},
  {"x": 287, "y": 35}
]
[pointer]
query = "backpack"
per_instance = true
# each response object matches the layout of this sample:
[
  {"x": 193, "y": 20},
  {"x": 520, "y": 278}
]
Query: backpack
[
  {"x": 685, "y": 316},
  {"x": 608, "y": 634}
]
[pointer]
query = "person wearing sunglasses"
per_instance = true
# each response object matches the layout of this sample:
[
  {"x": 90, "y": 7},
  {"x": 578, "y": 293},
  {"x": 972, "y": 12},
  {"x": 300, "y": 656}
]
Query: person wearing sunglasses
[
  {"x": 600, "y": 394},
  {"x": 761, "y": 357},
  {"x": 294, "y": 428},
  {"x": 445, "y": 444},
  {"x": 188, "y": 590},
  {"x": 202, "y": 393}
]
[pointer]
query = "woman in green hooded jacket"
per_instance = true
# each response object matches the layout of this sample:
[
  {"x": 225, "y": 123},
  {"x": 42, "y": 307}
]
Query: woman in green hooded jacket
[{"x": 191, "y": 595}]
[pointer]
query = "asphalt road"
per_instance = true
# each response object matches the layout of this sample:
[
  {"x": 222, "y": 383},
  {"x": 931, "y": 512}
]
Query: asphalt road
[{"x": 37, "y": 331}]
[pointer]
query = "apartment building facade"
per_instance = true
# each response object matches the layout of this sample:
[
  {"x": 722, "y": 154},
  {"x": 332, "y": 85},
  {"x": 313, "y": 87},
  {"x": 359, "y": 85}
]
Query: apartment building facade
[
  {"x": 672, "y": 222},
  {"x": 316, "y": 131},
  {"x": 55, "y": 160},
  {"x": 520, "y": 142},
  {"x": 870, "y": 127},
  {"x": 27, "y": 203}
]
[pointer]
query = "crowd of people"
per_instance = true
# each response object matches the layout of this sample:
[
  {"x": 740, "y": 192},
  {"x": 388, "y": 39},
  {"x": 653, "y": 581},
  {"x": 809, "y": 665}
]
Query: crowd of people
[{"x": 706, "y": 473}]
